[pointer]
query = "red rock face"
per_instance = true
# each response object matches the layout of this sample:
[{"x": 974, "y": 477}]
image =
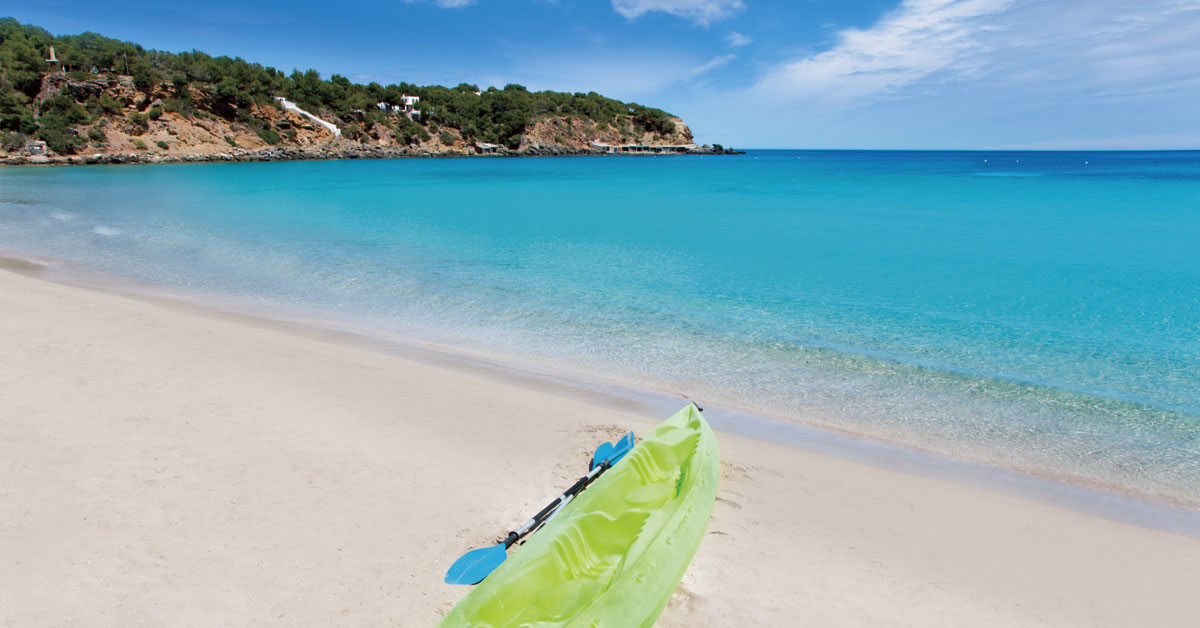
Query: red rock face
[{"x": 578, "y": 134}]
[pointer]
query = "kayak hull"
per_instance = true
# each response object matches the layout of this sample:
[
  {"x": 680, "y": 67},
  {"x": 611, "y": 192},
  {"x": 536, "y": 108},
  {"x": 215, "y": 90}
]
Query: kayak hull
[{"x": 614, "y": 555}]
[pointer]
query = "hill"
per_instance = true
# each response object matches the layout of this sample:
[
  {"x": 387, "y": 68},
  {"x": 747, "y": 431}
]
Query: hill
[{"x": 102, "y": 99}]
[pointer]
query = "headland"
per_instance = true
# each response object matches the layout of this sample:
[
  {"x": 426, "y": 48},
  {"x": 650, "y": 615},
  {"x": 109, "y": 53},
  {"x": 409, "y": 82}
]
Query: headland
[{"x": 89, "y": 99}]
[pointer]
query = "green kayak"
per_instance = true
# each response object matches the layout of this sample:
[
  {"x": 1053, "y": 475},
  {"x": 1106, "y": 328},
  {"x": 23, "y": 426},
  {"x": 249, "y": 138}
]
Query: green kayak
[{"x": 612, "y": 556}]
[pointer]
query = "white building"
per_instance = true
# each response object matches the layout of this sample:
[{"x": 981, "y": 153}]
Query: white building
[
  {"x": 644, "y": 149},
  {"x": 408, "y": 108}
]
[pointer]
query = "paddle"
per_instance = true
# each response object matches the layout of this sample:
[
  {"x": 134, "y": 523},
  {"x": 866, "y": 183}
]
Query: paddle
[
  {"x": 477, "y": 564},
  {"x": 612, "y": 451}
]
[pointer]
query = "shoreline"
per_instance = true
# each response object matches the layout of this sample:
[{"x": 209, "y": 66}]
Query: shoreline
[
  {"x": 1108, "y": 502},
  {"x": 323, "y": 154},
  {"x": 167, "y": 465}
]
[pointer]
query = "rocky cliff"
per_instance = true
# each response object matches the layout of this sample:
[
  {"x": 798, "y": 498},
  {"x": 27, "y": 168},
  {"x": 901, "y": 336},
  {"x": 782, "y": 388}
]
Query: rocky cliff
[{"x": 140, "y": 125}]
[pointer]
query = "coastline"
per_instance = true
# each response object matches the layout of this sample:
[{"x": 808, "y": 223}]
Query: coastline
[
  {"x": 197, "y": 458},
  {"x": 320, "y": 154},
  {"x": 282, "y": 154}
]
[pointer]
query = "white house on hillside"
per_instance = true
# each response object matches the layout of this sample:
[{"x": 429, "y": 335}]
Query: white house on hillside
[{"x": 408, "y": 108}]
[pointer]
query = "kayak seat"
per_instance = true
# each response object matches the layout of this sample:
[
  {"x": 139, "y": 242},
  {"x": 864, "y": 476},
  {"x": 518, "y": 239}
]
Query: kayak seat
[
  {"x": 564, "y": 600},
  {"x": 657, "y": 461},
  {"x": 651, "y": 495},
  {"x": 581, "y": 562},
  {"x": 580, "y": 557}
]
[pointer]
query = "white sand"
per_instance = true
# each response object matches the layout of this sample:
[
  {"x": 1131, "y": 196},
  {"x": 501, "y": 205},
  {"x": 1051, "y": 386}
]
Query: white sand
[{"x": 160, "y": 467}]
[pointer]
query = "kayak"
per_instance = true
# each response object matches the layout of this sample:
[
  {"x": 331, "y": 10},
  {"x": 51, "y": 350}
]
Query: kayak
[{"x": 612, "y": 556}]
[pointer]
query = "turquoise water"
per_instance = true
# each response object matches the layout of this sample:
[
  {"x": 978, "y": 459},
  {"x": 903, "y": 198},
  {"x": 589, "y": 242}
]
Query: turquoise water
[{"x": 1039, "y": 311}]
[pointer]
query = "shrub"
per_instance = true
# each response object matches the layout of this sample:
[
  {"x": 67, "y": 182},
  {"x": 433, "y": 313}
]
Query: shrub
[
  {"x": 182, "y": 106},
  {"x": 162, "y": 144},
  {"x": 60, "y": 140},
  {"x": 229, "y": 140},
  {"x": 96, "y": 135},
  {"x": 446, "y": 137},
  {"x": 269, "y": 136},
  {"x": 13, "y": 141},
  {"x": 154, "y": 113},
  {"x": 138, "y": 144},
  {"x": 144, "y": 78},
  {"x": 21, "y": 122},
  {"x": 654, "y": 120},
  {"x": 108, "y": 105}
]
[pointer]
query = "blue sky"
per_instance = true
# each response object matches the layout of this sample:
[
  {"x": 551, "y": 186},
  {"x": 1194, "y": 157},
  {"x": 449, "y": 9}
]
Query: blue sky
[{"x": 924, "y": 74}]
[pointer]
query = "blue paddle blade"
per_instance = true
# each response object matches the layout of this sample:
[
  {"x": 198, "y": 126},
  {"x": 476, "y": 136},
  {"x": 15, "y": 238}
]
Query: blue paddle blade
[
  {"x": 475, "y": 565},
  {"x": 612, "y": 452},
  {"x": 603, "y": 452},
  {"x": 621, "y": 448}
]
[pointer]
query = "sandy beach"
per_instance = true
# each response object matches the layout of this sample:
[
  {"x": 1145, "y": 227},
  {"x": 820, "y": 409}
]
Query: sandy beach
[{"x": 163, "y": 466}]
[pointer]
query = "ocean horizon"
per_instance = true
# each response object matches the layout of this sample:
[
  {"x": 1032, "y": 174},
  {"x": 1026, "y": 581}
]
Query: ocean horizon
[{"x": 1033, "y": 310}]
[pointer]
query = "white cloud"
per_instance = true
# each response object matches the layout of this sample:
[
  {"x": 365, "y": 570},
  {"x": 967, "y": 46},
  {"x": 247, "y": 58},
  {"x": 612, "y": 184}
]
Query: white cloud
[
  {"x": 737, "y": 40},
  {"x": 702, "y": 12},
  {"x": 448, "y": 4},
  {"x": 975, "y": 74},
  {"x": 1101, "y": 49},
  {"x": 919, "y": 39},
  {"x": 712, "y": 64}
]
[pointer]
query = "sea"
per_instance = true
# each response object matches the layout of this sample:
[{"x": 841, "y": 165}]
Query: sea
[{"x": 1033, "y": 311}]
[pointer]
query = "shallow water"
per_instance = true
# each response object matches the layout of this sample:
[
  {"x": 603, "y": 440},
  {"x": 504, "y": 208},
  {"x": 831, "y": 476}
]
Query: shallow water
[{"x": 1039, "y": 311}]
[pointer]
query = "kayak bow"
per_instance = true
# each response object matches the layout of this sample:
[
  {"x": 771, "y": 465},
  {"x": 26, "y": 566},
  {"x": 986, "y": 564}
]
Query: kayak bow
[{"x": 614, "y": 554}]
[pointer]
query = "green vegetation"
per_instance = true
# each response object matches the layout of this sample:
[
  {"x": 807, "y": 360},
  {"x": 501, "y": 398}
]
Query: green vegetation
[
  {"x": 269, "y": 136},
  {"x": 195, "y": 84},
  {"x": 59, "y": 116},
  {"x": 446, "y": 137},
  {"x": 161, "y": 144},
  {"x": 138, "y": 144},
  {"x": 104, "y": 105},
  {"x": 12, "y": 141}
]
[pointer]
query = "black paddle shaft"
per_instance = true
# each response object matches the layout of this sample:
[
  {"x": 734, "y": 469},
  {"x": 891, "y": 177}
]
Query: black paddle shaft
[{"x": 545, "y": 513}]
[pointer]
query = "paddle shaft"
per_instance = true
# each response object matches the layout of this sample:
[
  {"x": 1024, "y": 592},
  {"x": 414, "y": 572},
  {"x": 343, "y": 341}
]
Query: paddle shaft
[{"x": 558, "y": 502}]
